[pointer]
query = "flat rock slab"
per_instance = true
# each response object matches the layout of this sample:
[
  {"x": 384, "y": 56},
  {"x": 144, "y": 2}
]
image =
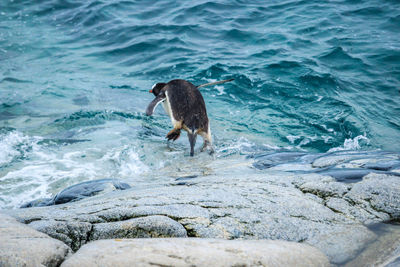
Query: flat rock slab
[
  {"x": 21, "y": 245},
  {"x": 195, "y": 252},
  {"x": 307, "y": 208}
]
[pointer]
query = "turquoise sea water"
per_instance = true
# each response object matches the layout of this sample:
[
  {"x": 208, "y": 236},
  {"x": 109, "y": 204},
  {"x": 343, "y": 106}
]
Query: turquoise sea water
[{"x": 74, "y": 78}]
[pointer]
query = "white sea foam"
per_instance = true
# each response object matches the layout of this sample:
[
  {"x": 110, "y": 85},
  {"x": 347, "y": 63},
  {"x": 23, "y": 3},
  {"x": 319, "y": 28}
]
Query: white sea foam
[
  {"x": 220, "y": 89},
  {"x": 43, "y": 170},
  {"x": 351, "y": 144},
  {"x": 126, "y": 161},
  {"x": 13, "y": 145},
  {"x": 243, "y": 146},
  {"x": 292, "y": 138}
]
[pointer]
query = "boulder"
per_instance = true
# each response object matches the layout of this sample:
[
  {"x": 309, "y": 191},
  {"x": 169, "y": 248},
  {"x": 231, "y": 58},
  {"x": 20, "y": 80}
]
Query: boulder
[
  {"x": 72, "y": 233},
  {"x": 149, "y": 226},
  {"x": 195, "y": 252},
  {"x": 379, "y": 192},
  {"x": 23, "y": 246},
  {"x": 300, "y": 206}
]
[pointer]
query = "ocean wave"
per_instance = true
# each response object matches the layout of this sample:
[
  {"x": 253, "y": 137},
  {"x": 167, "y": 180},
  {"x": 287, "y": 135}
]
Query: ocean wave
[
  {"x": 15, "y": 145},
  {"x": 355, "y": 143},
  {"x": 322, "y": 80},
  {"x": 340, "y": 58},
  {"x": 308, "y": 76},
  {"x": 92, "y": 118},
  {"x": 34, "y": 168},
  {"x": 13, "y": 80},
  {"x": 270, "y": 52},
  {"x": 370, "y": 11},
  {"x": 392, "y": 24},
  {"x": 284, "y": 64},
  {"x": 125, "y": 160}
]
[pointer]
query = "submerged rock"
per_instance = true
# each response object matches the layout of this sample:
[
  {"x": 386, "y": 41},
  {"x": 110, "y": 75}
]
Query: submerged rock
[
  {"x": 23, "y": 246},
  {"x": 196, "y": 252},
  {"x": 79, "y": 191},
  {"x": 41, "y": 202},
  {"x": 346, "y": 175},
  {"x": 344, "y": 166},
  {"x": 268, "y": 160},
  {"x": 383, "y": 165},
  {"x": 87, "y": 189}
]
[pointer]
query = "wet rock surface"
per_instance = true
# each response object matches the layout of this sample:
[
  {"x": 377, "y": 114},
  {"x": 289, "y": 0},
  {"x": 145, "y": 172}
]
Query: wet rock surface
[
  {"x": 302, "y": 205},
  {"x": 79, "y": 191},
  {"x": 344, "y": 166},
  {"x": 21, "y": 245},
  {"x": 196, "y": 252}
]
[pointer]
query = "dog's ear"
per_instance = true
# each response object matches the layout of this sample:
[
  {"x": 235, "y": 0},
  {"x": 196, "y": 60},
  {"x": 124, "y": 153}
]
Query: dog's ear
[{"x": 153, "y": 104}]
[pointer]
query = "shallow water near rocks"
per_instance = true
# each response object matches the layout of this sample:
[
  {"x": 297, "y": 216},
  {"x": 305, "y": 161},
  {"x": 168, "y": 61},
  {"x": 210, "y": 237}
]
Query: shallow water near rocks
[{"x": 74, "y": 78}]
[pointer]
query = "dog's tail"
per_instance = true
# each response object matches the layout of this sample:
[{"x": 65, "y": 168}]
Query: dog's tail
[{"x": 219, "y": 82}]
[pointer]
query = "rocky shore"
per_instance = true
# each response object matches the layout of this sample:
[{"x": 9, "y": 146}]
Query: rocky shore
[{"x": 331, "y": 204}]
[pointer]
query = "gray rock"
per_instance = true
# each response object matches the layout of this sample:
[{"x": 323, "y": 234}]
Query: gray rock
[
  {"x": 353, "y": 158},
  {"x": 340, "y": 246},
  {"x": 196, "y": 252},
  {"x": 41, "y": 202},
  {"x": 326, "y": 161},
  {"x": 88, "y": 189},
  {"x": 308, "y": 208},
  {"x": 379, "y": 192},
  {"x": 386, "y": 165},
  {"x": 346, "y": 175},
  {"x": 324, "y": 189},
  {"x": 384, "y": 251},
  {"x": 362, "y": 215},
  {"x": 149, "y": 226},
  {"x": 23, "y": 246},
  {"x": 79, "y": 191},
  {"x": 351, "y": 175},
  {"x": 72, "y": 233},
  {"x": 269, "y": 160},
  {"x": 394, "y": 263}
]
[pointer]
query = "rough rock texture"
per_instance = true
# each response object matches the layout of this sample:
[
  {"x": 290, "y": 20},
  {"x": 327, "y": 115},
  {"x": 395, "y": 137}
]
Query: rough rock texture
[
  {"x": 21, "y": 245},
  {"x": 150, "y": 226},
  {"x": 72, "y": 233},
  {"x": 303, "y": 206},
  {"x": 271, "y": 205},
  {"x": 380, "y": 192},
  {"x": 196, "y": 252}
]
